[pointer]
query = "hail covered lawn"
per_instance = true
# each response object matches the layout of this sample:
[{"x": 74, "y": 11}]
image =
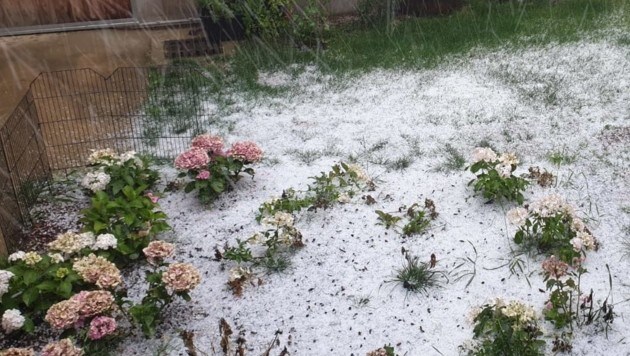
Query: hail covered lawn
[{"x": 569, "y": 104}]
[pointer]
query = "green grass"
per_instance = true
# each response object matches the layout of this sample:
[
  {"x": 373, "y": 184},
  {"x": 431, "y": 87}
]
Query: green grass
[{"x": 426, "y": 42}]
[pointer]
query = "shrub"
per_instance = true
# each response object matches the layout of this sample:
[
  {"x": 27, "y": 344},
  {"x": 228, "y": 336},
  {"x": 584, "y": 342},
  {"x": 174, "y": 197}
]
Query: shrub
[
  {"x": 418, "y": 218},
  {"x": 495, "y": 179},
  {"x": 550, "y": 226},
  {"x": 212, "y": 170},
  {"x": 507, "y": 329}
]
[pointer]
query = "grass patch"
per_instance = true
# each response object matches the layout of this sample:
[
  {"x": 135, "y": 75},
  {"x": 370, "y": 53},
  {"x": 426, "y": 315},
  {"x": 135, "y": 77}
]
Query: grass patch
[
  {"x": 416, "y": 276},
  {"x": 425, "y": 42},
  {"x": 453, "y": 159}
]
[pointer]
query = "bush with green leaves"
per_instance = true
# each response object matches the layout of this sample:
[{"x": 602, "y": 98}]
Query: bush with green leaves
[
  {"x": 549, "y": 226},
  {"x": 309, "y": 25},
  {"x": 417, "y": 218},
  {"x": 339, "y": 185},
  {"x": 211, "y": 170},
  {"x": 30, "y": 283},
  {"x": 506, "y": 329},
  {"x": 495, "y": 179},
  {"x": 568, "y": 304},
  {"x": 133, "y": 218},
  {"x": 377, "y": 11}
]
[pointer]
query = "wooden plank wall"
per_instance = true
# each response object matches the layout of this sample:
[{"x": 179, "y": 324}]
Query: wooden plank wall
[{"x": 46, "y": 12}]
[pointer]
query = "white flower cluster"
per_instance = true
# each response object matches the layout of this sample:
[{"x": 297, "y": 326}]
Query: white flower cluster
[
  {"x": 362, "y": 176},
  {"x": 105, "y": 242},
  {"x": 108, "y": 157},
  {"x": 524, "y": 314},
  {"x": 550, "y": 206},
  {"x": 280, "y": 219},
  {"x": 12, "y": 320},
  {"x": 239, "y": 272},
  {"x": 503, "y": 163},
  {"x": 96, "y": 181},
  {"x": 71, "y": 242},
  {"x": 5, "y": 277},
  {"x": 30, "y": 258}
]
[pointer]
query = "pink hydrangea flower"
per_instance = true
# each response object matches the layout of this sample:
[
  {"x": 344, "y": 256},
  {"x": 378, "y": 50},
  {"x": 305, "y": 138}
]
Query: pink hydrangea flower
[
  {"x": 210, "y": 143},
  {"x": 154, "y": 198},
  {"x": 101, "y": 326},
  {"x": 203, "y": 175},
  {"x": 194, "y": 158},
  {"x": 246, "y": 151}
]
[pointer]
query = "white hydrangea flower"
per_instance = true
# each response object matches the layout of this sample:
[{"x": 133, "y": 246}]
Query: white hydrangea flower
[
  {"x": 577, "y": 225},
  {"x": 577, "y": 244},
  {"x": 509, "y": 159},
  {"x": 17, "y": 256},
  {"x": 131, "y": 155},
  {"x": 239, "y": 272},
  {"x": 32, "y": 258},
  {"x": 344, "y": 198},
  {"x": 524, "y": 314},
  {"x": 12, "y": 320},
  {"x": 258, "y": 238},
  {"x": 504, "y": 170},
  {"x": 550, "y": 205},
  {"x": 104, "y": 156},
  {"x": 362, "y": 176},
  {"x": 86, "y": 239},
  {"x": 517, "y": 216},
  {"x": 279, "y": 219},
  {"x": 96, "y": 181},
  {"x": 5, "y": 278},
  {"x": 56, "y": 257},
  {"x": 105, "y": 242},
  {"x": 588, "y": 241},
  {"x": 484, "y": 154}
]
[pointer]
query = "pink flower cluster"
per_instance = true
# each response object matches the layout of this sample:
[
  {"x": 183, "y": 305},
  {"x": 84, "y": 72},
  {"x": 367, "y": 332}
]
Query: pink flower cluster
[
  {"x": 203, "y": 175},
  {"x": 210, "y": 143},
  {"x": 158, "y": 250},
  {"x": 194, "y": 158},
  {"x": 74, "y": 311},
  {"x": 246, "y": 151},
  {"x": 554, "y": 268},
  {"x": 64, "y": 347},
  {"x": 181, "y": 277},
  {"x": 101, "y": 326}
]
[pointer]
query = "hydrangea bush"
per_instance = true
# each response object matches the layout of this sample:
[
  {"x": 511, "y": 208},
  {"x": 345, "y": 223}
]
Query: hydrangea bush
[
  {"x": 551, "y": 227},
  {"x": 213, "y": 170},
  {"x": 506, "y": 329},
  {"x": 495, "y": 175}
]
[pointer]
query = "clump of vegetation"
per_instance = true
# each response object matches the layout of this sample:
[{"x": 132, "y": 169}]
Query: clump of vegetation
[
  {"x": 495, "y": 179},
  {"x": 418, "y": 277},
  {"x": 417, "y": 218}
]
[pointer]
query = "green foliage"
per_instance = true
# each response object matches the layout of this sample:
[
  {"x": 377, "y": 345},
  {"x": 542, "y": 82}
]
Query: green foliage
[
  {"x": 131, "y": 173},
  {"x": 224, "y": 172},
  {"x": 309, "y": 27},
  {"x": 454, "y": 160},
  {"x": 34, "y": 288},
  {"x": 500, "y": 334},
  {"x": 326, "y": 189},
  {"x": 550, "y": 236},
  {"x": 416, "y": 276},
  {"x": 494, "y": 186},
  {"x": 132, "y": 217},
  {"x": 568, "y": 305},
  {"x": 417, "y": 218}
]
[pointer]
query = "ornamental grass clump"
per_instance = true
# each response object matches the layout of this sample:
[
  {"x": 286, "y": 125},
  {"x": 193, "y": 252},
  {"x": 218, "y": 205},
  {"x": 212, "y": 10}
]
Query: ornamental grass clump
[
  {"x": 549, "y": 226},
  {"x": 495, "y": 176},
  {"x": 211, "y": 169},
  {"x": 506, "y": 329},
  {"x": 418, "y": 277}
]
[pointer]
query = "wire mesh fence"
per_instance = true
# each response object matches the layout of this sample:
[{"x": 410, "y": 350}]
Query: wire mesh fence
[{"x": 66, "y": 114}]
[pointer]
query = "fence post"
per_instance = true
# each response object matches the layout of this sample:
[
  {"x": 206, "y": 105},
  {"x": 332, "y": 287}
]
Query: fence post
[{"x": 3, "y": 245}]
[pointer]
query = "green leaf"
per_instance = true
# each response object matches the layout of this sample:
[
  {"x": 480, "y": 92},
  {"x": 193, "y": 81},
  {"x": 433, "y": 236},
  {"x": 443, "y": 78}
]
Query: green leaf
[
  {"x": 218, "y": 186},
  {"x": 47, "y": 286},
  {"x": 30, "y": 276},
  {"x": 65, "y": 289},
  {"x": 30, "y": 295}
]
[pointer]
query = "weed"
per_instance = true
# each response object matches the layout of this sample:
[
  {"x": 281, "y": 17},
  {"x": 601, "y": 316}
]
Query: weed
[
  {"x": 470, "y": 270},
  {"x": 453, "y": 159},
  {"x": 561, "y": 157},
  {"x": 416, "y": 276}
]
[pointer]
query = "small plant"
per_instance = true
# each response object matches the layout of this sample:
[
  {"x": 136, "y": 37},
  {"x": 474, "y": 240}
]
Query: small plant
[
  {"x": 418, "y": 219},
  {"x": 416, "y": 276},
  {"x": 386, "y": 350},
  {"x": 543, "y": 178},
  {"x": 471, "y": 272},
  {"x": 212, "y": 170},
  {"x": 278, "y": 239},
  {"x": 550, "y": 226},
  {"x": 495, "y": 179},
  {"x": 339, "y": 185},
  {"x": 561, "y": 157},
  {"x": 111, "y": 172},
  {"x": 454, "y": 160},
  {"x": 506, "y": 329},
  {"x": 568, "y": 306}
]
